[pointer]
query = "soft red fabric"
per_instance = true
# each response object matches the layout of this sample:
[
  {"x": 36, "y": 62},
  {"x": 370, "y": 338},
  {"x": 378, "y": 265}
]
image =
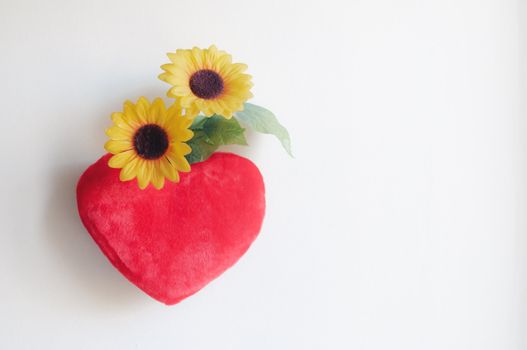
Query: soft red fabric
[{"x": 172, "y": 242}]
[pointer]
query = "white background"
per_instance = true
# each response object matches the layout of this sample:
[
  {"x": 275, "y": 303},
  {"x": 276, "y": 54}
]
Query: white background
[{"x": 400, "y": 224}]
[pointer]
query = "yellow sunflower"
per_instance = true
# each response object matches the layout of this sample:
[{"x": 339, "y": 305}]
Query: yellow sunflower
[
  {"x": 148, "y": 142},
  {"x": 207, "y": 81}
]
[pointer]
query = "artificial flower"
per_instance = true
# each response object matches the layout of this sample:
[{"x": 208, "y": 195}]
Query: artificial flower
[
  {"x": 148, "y": 142},
  {"x": 206, "y": 80}
]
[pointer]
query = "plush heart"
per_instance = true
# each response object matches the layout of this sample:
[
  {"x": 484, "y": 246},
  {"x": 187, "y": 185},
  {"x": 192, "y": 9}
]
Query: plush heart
[{"x": 172, "y": 242}]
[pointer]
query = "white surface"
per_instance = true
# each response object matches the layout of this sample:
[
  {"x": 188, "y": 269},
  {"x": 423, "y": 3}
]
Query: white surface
[{"x": 399, "y": 225}]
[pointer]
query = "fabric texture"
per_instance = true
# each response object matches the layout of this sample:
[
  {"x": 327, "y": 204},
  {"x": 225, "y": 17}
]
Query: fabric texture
[{"x": 172, "y": 242}]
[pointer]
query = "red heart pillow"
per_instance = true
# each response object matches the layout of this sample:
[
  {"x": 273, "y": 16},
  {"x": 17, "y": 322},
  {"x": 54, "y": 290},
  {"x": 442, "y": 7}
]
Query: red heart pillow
[{"x": 172, "y": 242}]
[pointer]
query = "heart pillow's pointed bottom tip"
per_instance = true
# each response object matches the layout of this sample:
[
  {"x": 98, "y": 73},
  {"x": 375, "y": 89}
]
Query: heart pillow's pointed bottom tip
[{"x": 172, "y": 242}]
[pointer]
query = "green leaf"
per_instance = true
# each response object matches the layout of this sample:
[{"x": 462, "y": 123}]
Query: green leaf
[
  {"x": 223, "y": 131},
  {"x": 262, "y": 120},
  {"x": 211, "y": 133},
  {"x": 201, "y": 148},
  {"x": 198, "y": 122}
]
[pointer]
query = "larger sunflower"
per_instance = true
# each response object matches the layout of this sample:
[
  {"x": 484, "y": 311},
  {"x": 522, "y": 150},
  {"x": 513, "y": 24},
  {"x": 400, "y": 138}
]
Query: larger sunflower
[
  {"x": 207, "y": 81},
  {"x": 148, "y": 142}
]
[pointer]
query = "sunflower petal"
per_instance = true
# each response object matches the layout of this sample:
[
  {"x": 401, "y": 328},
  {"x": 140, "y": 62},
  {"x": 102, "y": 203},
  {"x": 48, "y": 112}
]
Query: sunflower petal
[
  {"x": 130, "y": 114},
  {"x": 222, "y": 61},
  {"x": 117, "y": 133},
  {"x": 197, "y": 57},
  {"x": 175, "y": 109},
  {"x": 169, "y": 67},
  {"x": 178, "y": 160},
  {"x": 129, "y": 171},
  {"x": 205, "y": 107},
  {"x": 144, "y": 173},
  {"x": 168, "y": 170},
  {"x": 191, "y": 112},
  {"x": 158, "y": 180},
  {"x": 119, "y": 160},
  {"x": 157, "y": 112},
  {"x": 142, "y": 107},
  {"x": 180, "y": 90},
  {"x": 186, "y": 101},
  {"x": 117, "y": 146},
  {"x": 119, "y": 120}
]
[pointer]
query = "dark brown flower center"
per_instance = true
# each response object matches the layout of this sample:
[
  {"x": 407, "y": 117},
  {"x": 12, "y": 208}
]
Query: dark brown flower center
[
  {"x": 150, "y": 141},
  {"x": 206, "y": 84}
]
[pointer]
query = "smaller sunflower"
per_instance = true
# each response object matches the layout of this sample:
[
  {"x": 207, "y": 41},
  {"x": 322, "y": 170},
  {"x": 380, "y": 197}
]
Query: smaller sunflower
[
  {"x": 206, "y": 80},
  {"x": 148, "y": 142}
]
